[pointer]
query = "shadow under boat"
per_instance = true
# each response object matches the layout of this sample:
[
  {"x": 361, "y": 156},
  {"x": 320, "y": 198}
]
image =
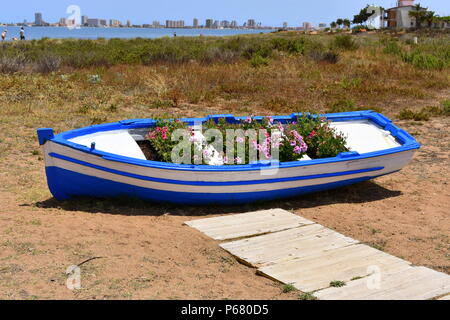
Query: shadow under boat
[{"x": 363, "y": 192}]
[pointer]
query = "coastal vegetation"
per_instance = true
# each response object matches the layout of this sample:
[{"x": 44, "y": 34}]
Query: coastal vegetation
[{"x": 68, "y": 84}]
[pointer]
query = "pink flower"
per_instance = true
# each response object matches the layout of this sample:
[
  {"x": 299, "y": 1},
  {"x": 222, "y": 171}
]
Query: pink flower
[
  {"x": 270, "y": 119},
  {"x": 238, "y": 160},
  {"x": 249, "y": 120},
  {"x": 240, "y": 140},
  {"x": 298, "y": 150},
  {"x": 293, "y": 143},
  {"x": 225, "y": 160},
  {"x": 164, "y": 136},
  {"x": 312, "y": 134}
]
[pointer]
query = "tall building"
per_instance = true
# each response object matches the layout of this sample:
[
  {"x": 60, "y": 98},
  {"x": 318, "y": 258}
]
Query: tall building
[
  {"x": 38, "y": 19},
  {"x": 234, "y": 24},
  {"x": 285, "y": 25},
  {"x": 225, "y": 24},
  {"x": 156, "y": 24},
  {"x": 84, "y": 20},
  {"x": 251, "y": 23},
  {"x": 209, "y": 23},
  {"x": 114, "y": 23},
  {"x": 216, "y": 24},
  {"x": 195, "y": 23},
  {"x": 307, "y": 26},
  {"x": 129, "y": 23},
  {"x": 63, "y": 22},
  {"x": 174, "y": 24}
]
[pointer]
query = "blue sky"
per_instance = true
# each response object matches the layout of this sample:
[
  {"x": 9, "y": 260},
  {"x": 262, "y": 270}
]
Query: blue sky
[{"x": 145, "y": 11}]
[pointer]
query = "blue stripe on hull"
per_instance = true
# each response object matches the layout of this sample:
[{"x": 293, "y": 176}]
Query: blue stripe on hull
[{"x": 65, "y": 184}]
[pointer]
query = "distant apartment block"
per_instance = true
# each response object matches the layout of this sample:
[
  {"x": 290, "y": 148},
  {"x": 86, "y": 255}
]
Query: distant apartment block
[
  {"x": 38, "y": 19},
  {"x": 285, "y": 25},
  {"x": 156, "y": 24},
  {"x": 209, "y": 23},
  {"x": 234, "y": 24},
  {"x": 174, "y": 24},
  {"x": 195, "y": 23},
  {"x": 114, "y": 23},
  {"x": 251, "y": 23},
  {"x": 216, "y": 24},
  {"x": 84, "y": 20},
  {"x": 307, "y": 26},
  {"x": 322, "y": 26},
  {"x": 97, "y": 23},
  {"x": 129, "y": 25},
  {"x": 225, "y": 24}
]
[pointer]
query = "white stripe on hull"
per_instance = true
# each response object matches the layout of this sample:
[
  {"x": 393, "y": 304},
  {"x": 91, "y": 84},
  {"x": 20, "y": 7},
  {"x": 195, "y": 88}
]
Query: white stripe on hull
[{"x": 390, "y": 163}]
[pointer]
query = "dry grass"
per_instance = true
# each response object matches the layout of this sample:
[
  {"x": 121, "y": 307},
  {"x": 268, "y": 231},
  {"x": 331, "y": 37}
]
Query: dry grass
[{"x": 34, "y": 250}]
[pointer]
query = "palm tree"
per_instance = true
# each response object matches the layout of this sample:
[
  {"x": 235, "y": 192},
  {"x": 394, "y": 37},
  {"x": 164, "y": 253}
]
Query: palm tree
[
  {"x": 333, "y": 25},
  {"x": 347, "y": 23},
  {"x": 340, "y": 22},
  {"x": 429, "y": 17},
  {"x": 418, "y": 14}
]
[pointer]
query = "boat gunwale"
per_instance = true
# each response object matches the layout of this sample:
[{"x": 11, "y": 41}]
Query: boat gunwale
[{"x": 407, "y": 142}]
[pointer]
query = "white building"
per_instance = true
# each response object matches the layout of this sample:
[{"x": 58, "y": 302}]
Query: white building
[{"x": 398, "y": 17}]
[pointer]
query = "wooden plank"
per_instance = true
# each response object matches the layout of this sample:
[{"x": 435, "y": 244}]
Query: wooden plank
[
  {"x": 414, "y": 283},
  {"x": 291, "y": 249},
  {"x": 248, "y": 224},
  {"x": 287, "y": 245},
  {"x": 315, "y": 272}
]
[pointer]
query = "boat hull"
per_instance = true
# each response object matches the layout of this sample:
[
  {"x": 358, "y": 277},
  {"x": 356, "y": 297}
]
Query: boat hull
[
  {"x": 71, "y": 173},
  {"x": 75, "y": 170}
]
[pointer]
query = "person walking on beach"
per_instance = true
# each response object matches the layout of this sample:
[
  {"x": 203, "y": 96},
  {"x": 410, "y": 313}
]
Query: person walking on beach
[
  {"x": 4, "y": 35},
  {"x": 22, "y": 33}
]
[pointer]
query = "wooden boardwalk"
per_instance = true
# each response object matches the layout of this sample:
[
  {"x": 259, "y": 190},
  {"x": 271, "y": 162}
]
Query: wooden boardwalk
[{"x": 293, "y": 250}]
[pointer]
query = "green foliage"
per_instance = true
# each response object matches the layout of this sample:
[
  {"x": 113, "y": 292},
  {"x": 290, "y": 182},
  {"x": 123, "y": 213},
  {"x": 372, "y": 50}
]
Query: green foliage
[
  {"x": 318, "y": 55},
  {"x": 392, "y": 47},
  {"x": 258, "y": 61},
  {"x": 426, "y": 113},
  {"x": 307, "y": 297},
  {"x": 362, "y": 16},
  {"x": 322, "y": 140},
  {"x": 288, "y": 288},
  {"x": 309, "y": 135},
  {"x": 424, "y": 60},
  {"x": 337, "y": 284},
  {"x": 408, "y": 114},
  {"x": 345, "y": 42}
]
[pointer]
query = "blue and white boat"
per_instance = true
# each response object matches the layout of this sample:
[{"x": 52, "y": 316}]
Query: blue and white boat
[{"x": 106, "y": 161}]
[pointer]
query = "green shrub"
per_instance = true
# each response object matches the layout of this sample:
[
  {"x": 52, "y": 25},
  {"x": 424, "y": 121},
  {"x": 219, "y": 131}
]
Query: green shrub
[
  {"x": 446, "y": 107},
  {"x": 258, "y": 61},
  {"x": 408, "y": 114},
  {"x": 424, "y": 61},
  {"x": 345, "y": 42},
  {"x": 324, "y": 56},
  {"x": 392, "y": 47}
]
